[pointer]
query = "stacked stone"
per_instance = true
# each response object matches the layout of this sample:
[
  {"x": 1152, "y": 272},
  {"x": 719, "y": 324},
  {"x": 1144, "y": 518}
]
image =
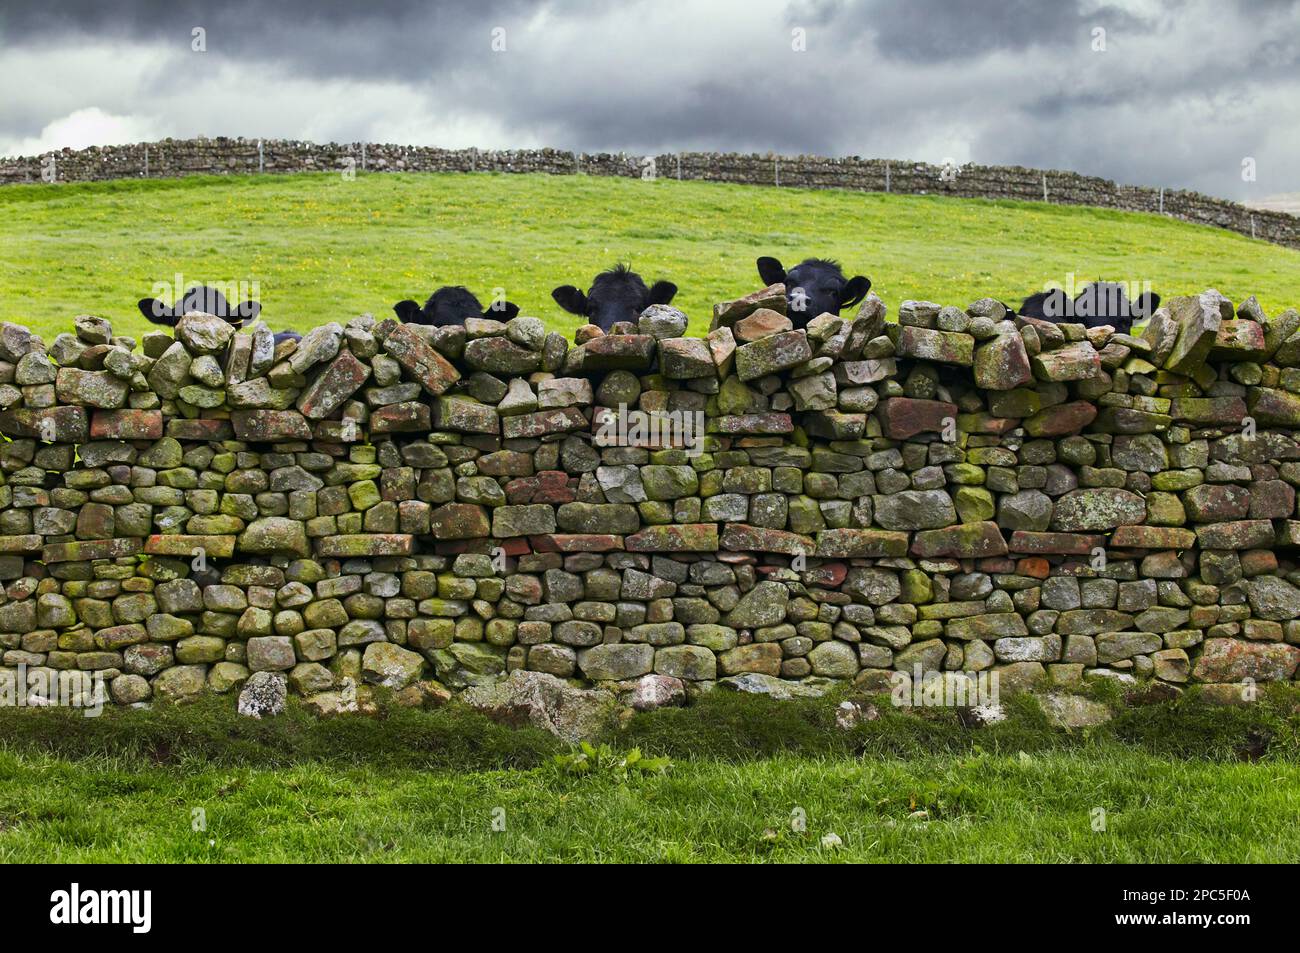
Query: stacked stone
[{"x": 425, "y": 510}]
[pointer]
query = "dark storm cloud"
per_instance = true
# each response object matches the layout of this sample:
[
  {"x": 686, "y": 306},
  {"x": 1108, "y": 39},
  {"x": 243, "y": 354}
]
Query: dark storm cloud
[
  {"x": 1182, "y": 92},
  {"x": 319, "y": 37},
  {"x": 929, "y": 30}
]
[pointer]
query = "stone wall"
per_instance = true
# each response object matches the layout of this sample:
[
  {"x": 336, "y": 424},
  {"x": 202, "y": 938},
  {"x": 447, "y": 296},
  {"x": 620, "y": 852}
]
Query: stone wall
[
  {"x": 427, "y": 509},
  {"x": 222, "y": 156}
]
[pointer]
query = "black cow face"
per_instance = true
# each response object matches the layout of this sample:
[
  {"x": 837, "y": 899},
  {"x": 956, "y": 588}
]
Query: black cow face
[
  {"x": 1098, "y": 304},
  {"x": 203, "y": 299},
  {"x": 813, "y": 287},
  {"x": 615, "y": 295},
  {"x": 451, "y": 305}
]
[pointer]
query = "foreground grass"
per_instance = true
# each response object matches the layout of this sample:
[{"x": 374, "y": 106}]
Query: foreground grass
[
  {"x": 1177, "y": 783},
  {"x": 994, "y": 808},
  {"x": 323, "y": 248}
]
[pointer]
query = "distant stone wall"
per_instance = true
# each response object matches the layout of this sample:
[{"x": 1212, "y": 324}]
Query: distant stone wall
[
  {"x": 223, "y": 156},
  {"x": 426, "y": 510}
]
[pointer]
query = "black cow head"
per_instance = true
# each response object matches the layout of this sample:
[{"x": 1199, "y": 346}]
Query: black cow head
[
  {"x": 615, "y": 295},
  {"x": 449, "y": 305},
  {"x": 814, "y": 286},
  {"x": 1099, "y": 303},
  {"x": 203, "y": 299}
]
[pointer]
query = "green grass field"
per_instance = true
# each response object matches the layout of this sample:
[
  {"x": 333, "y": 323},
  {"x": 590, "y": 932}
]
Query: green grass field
[
  {"x": 749, "y": 780},
  {"x": 978, "y": 809},
  {"x": 1177, "y": 783},
  {"x": 322, "y": 248}
]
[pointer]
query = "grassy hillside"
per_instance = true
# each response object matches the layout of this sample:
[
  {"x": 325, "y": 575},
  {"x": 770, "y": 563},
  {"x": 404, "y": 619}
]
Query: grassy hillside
[{"x": 323, "y": 248}]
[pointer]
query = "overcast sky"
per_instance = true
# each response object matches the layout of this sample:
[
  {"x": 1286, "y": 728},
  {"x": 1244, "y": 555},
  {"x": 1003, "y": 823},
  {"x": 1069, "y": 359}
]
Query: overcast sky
[{"x": 1154, "y": 92}]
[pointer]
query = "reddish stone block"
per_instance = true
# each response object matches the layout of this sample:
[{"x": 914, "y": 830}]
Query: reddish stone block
[
  {"x": 95, "y": 521},
  {"x": 1257, "y": 562},
  {"x": 417, "y": 355},
  {"x": 542, "y": 422},
  {"x": 861, "y": 543},
  {"x": 126, "y": 424},
  {"x": 459, "y": 521},
  {"x": 1239, "y": 341},
  {"x": 549, "y": 486},
  {"x": 996, "y": 564},
  {"x": 576, "y": 543},
  {"x": 1069, "y": 544},
  {"x": 740, "y": 537},
  {"x": 1152, "y": 537},
  {"x": 1232, "y": 660},
  {"x": 515, "y": 546},
  {"x": 903, "y": 417},
  {"x": 410, "y": 416},
  {"x": 828, "y": 575},
  {"x": 553, "y": 487},
  {"x": 1036, "y": 567},
  {"x": 1061, "y": 420},
  {"x": 269, "y": 426},
  {"x": 339, "y": 381}
]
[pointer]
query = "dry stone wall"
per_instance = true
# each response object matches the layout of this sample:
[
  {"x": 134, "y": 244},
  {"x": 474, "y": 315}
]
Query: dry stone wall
[
  {"x": 223, "y": 156},
  {"x": 960, "y": 491}
]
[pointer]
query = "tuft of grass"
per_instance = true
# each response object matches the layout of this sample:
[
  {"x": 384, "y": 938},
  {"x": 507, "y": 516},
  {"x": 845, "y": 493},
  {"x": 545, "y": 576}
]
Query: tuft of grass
[{"x": 321, "y": 248}]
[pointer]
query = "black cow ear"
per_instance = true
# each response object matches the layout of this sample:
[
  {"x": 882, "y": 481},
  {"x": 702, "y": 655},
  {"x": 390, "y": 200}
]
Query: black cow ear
[
  {"x": 249, "y": 310},
  {"x": 1146, "y": 305},
  {"x": 854, "y": 290},
  {"x": 570, "y": 299},
  {"x": 661, "y": 292},
  {"x": 771, "y": 270},
  {"x": 408, "y": 312},
  {"x": 156, "y": 311},
  {"x": 508, "y": 310}
]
